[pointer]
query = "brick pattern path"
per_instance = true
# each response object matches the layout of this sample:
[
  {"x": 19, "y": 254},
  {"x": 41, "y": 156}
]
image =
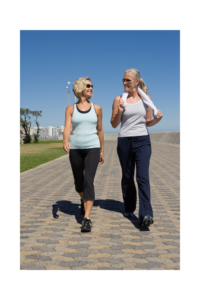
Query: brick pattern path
[{"x": 116, "y": 242}]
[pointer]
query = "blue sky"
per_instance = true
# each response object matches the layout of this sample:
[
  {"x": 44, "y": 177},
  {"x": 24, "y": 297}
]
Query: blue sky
[{"x": 49, "y": 59}]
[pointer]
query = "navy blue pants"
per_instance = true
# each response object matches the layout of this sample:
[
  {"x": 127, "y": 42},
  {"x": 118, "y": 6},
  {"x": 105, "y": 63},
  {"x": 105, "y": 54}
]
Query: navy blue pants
[{"x": 135, "y": 151}]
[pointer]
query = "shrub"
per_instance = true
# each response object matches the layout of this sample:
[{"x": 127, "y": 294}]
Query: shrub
[
  {"x": 27, "y": 139},
  {"x": 35, "y": 138}
]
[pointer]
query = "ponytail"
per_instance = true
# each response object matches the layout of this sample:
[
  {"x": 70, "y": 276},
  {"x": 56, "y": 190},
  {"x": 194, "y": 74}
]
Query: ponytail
[{"x": 143, "y": 86}]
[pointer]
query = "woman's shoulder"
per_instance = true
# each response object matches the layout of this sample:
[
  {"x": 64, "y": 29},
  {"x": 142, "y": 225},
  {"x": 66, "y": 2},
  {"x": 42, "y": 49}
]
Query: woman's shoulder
[
  {"x": 97, "y": 106},
  {"x": 70, "y": 109},
  {"x": 117, "y": 98},
  {"x": 98, "y": 109}
]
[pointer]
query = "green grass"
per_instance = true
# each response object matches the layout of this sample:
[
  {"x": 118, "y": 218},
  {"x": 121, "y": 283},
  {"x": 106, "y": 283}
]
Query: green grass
[
  {"x": 35, "y": 154},
  {"x": 47, "y": 142}
]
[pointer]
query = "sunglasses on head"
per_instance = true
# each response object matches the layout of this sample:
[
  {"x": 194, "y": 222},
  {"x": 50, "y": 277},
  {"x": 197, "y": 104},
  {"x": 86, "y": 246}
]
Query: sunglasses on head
[
  {"x": 89, "y": 85},
  {"x": 126, "y": 80}
]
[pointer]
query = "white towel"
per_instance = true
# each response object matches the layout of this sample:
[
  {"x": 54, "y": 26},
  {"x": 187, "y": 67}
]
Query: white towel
[{"x": 145, "y": 99}]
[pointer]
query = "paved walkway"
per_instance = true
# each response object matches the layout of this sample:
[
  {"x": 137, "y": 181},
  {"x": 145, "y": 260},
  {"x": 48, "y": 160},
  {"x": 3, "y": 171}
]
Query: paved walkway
[{"x": 116, "y": 242}]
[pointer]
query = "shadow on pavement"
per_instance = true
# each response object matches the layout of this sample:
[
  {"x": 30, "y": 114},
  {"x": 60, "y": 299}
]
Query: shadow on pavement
[
  {"x": 118, "y": 206},
  {"x": 71, "y": 208}
]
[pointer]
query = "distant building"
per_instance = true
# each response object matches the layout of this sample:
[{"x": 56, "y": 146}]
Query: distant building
[
  {"x": 33, "y": 130},
  {"x": 59, "y": 130},
  {"x": 49, "y": 131},
  {"x": 55, "y": 131},
  {"x": 44, "y": 131},
  {"x": 62, "y": 128}
]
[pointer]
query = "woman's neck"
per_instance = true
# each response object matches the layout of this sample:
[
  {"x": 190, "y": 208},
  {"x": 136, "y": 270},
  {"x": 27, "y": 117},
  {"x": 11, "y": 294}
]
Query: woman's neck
[
  {"x": 133, "y": 93},
  {"x": 83, "y": 100}
]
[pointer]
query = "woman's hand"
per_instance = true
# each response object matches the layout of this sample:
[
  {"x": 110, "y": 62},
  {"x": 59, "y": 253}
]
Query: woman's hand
[
  {"x": 101, "y": 160},
  {"x": 159, "y": 114},
  {"x": 66, "y": 146},
  {"x": 121, "y": 105},
  {"x": 155, "y": 120}
]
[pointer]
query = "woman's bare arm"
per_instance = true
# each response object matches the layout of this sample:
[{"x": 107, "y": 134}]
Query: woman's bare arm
[
  {"x": 151, "y": 122},
  {"x": 67, "y": 129},
  {"x": 100, "y": 133},
  {"x": 117, "y": 111},
  {"x": 148, "y": 116}
]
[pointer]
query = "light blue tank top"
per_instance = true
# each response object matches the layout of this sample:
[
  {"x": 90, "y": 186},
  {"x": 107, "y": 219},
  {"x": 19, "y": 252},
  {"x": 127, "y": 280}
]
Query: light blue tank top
[{"x": 84, "y": 129}]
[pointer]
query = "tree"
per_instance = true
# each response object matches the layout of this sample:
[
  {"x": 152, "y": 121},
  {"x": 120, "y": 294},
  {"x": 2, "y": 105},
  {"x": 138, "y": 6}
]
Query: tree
[
  {"x": 25, "y": 116},
  {"x": 37, "y": 114},
  {"x": 25, "y": 122}
]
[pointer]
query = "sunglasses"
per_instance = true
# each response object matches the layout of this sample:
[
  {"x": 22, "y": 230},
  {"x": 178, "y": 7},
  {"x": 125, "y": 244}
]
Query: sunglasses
[
  {"x": 126, "y": 80},
  {"x": 89, "y": 85}
]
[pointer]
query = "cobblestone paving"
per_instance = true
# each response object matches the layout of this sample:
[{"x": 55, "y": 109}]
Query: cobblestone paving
[{"x": 50, "y": 218}]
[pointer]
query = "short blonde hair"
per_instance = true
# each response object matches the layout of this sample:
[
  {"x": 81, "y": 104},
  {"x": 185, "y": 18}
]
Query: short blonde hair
[
  {"x": 137, "y": 76},
  {"x": 79, "y": 86}
]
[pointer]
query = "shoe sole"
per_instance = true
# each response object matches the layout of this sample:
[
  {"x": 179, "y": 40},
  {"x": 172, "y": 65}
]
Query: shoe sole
[{"x": 85, "y": 230}]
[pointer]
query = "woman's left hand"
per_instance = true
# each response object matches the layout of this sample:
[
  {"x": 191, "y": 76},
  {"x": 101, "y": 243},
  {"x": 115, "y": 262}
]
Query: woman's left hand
[
  {"x": 159, "y": 114},
  {"x": 101, "y": 160}
]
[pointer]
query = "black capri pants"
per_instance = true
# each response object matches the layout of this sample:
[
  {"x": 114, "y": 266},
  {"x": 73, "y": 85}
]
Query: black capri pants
[{"x": 84, "y": 163}]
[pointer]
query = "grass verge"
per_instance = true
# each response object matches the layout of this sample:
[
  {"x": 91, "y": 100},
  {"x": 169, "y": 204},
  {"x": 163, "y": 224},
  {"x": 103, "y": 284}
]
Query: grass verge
[{"x": 35, "y": 154}]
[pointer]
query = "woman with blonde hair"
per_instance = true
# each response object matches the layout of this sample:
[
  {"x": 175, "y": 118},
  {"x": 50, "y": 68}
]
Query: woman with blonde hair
[
  {"x": 86, "y": 144},
  {"x": 133, "y": 111}
]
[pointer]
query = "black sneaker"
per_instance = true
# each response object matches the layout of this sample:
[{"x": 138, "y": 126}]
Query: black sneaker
[
  {"x": 82, "y": 207},
  {"x": 86, "y": 225},
  {"x": 147, "y": 221}
]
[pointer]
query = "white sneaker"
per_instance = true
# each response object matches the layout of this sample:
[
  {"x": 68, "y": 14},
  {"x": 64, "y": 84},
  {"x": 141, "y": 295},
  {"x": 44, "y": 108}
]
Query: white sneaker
[{"x": 128, "y": 214}]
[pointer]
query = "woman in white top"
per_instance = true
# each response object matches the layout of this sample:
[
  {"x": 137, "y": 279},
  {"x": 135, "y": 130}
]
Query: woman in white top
[{"x": 134, "y": 145}]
